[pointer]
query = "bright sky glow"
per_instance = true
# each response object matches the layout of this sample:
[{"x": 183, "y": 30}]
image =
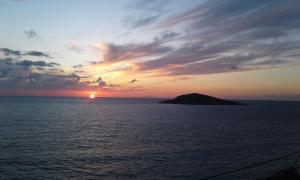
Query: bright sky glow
[{"x": 138, "y": 48}]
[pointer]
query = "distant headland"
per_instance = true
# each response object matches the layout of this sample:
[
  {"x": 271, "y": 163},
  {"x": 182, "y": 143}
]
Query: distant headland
[{"x": 199, "y": 99}]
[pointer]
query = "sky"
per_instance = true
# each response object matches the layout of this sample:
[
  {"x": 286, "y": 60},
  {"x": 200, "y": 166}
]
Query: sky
[{"x": 237, "y": 49}]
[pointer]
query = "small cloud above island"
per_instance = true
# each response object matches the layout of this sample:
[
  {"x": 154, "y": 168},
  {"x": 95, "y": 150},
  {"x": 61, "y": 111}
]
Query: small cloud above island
[
  {"x": 31, "y": 34},
  {"x": 133, "y": 81}
]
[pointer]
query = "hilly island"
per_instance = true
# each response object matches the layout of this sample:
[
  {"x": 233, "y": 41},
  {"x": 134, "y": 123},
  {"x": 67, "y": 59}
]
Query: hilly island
[{"x": 199, "y": 99}]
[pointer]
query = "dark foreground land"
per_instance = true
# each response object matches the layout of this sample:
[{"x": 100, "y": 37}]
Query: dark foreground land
[{"x": 286, "y": 174}]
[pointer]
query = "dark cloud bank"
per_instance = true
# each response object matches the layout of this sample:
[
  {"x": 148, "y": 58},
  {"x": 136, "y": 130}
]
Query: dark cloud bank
[
  {"x": 10, "y": 52},
  {"x": 16, "y": 73},
  {"x": 218, "y": 37}
]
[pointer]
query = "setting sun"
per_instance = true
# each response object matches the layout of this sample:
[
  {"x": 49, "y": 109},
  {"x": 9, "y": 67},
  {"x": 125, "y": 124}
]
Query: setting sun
[{"x": 92, "y": 96}]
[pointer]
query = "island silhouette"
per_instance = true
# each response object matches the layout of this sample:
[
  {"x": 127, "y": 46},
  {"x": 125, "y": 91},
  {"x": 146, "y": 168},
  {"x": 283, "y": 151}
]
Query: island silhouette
[{"x": 199, "y": 99}]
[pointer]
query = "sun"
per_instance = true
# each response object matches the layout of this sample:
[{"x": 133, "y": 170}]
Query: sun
[{"x": 92, "y": 96}]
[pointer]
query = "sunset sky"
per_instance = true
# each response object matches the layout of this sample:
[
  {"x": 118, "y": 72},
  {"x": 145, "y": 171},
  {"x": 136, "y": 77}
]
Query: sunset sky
[{"x": 239, "y": 49}]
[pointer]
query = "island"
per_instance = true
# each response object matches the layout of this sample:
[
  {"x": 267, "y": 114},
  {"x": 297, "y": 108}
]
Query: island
[{"x": 199, "y": 99}]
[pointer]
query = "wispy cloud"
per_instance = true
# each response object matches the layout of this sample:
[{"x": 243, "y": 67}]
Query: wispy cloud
[
  {"x": 136, "y": 22},
  {"x": 144, "y": 13},
  {"x": 27, "y": 63},
  {"x": 75, "y": 47},
  {"x": 78, "y": 66},
  {"x": 133, "y": 81},
  {"x": 154, "y": 5},
  {"x": 233, "y": 35},
  {"x": 37, "y": 54},
  {"x": 95, "y": 62},
  {"x": 114, "y": 53},
  {"x": 10, "y": 52},
  {"x": 31, "y": 34}
]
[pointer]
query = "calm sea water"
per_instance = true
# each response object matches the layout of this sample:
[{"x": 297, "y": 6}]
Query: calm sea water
[{"x": 77, "y": 138}]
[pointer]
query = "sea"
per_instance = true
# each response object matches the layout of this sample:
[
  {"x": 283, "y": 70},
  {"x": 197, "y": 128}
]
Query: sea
[{"x": 138, "y": 138}]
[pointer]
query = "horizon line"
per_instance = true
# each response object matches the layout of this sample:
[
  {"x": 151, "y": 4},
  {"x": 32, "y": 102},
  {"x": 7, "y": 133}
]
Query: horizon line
[{"x": 140, "y": 97}]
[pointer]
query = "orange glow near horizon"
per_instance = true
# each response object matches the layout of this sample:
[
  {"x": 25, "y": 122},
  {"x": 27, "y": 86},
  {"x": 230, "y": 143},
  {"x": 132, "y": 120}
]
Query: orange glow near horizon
[{"x": 256, "y": 84}]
